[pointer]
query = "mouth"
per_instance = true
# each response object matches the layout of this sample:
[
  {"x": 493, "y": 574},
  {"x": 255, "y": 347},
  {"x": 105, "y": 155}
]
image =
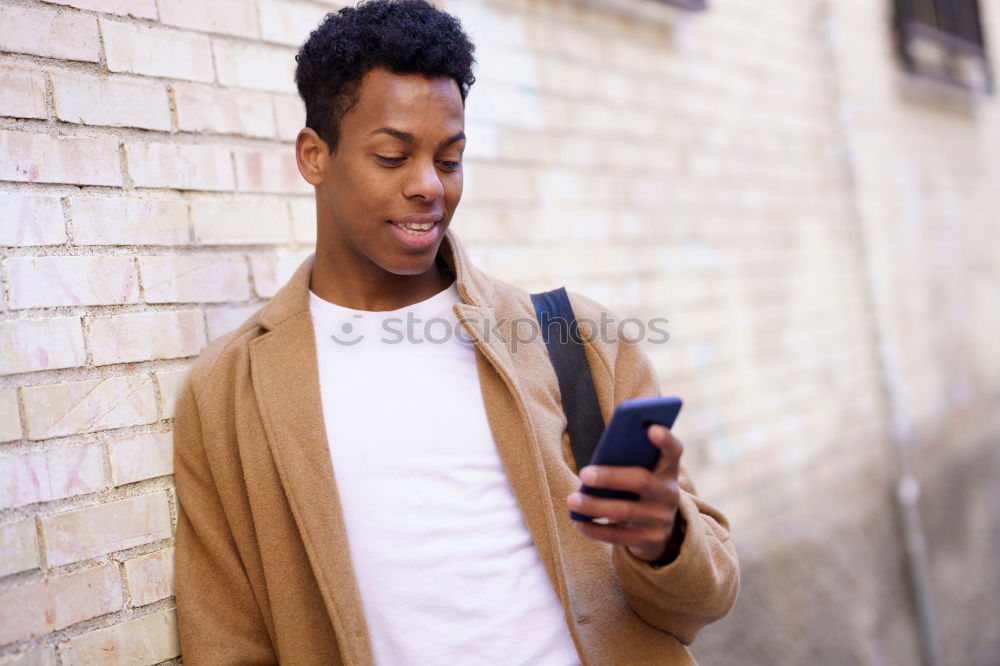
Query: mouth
[{"x": 416, "y": 231}]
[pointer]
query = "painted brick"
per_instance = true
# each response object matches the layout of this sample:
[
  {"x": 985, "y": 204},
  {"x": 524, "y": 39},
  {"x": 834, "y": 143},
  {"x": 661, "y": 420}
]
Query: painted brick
[
  {"x": 241, "y": 221},
  {"x": 290, "y": 114},
  {"x": 10, "y": 421},
  {"x": 145, "y": 336},
  {"x": 265, "y": 274},
  {"x": 44, "y": 158},
  {"x": 118, "y": 102},
  {"x": 517, "y": 68},
  {"x": 142, "y": 457},
  {"x": 203, "y": 108},
  {"x": 106, "y": 528},
  {"x": 43, "y": 476},
  {"x": 225, "y": 318},
  {"x": 49, "y": 33},
  {"x": 22, "y": 92},
  {"x": 230, "y": 17},
  {"x": 180, "y": 166},
  {"x": 526, "y": 146},
  {"x": 567, "y": 77},
  {"x": 157, "y": 51},
  {"x": 169, "y": 382},
  {"x": 147, "y": 640},
  {"x": 485, "y": 225},
  {"x": 201, "y": 278},
  {"x": 53, "y": 410},
  {"x": 288, "y": 22},
  {"x": 150, "y": 577},
  {"x": 27, "y": 220},
  {"x": 303, "y": 219},
  {"x": 485, "y": 144},
  {"x": 272, "y": 171},
  {"x": 43, "y": 606},
  {"x": 586, "y": 152},
  {"x": 256, "y": 67},
  {"x": 44, "y": 655},
  {"x": 272, "y": 270},
  {"x": 19, "y": 545},
  {"x": 129, "y": 221},
  {"x": 136, "y": 8},
  {"x": 498, "y": 182},
  {"x": 28, "y": 345},
  {"x": 87, "y": 280},
  {"x": 511, "y": 106},
  {"x": 172, "y": 492}
]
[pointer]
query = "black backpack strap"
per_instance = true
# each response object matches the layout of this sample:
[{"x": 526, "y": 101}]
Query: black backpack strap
[{"x": 576, "y": 385}]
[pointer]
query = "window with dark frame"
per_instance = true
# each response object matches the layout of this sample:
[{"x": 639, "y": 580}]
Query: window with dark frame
[
  {"x": 693, "y": 5},
  {"x": 944, "y": 40}
]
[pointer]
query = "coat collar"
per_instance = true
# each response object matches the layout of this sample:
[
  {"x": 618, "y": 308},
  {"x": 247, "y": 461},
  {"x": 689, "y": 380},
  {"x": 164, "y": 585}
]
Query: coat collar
[
  {"x": 474, "y": 286},
  {"x": 285, "y": 378}
]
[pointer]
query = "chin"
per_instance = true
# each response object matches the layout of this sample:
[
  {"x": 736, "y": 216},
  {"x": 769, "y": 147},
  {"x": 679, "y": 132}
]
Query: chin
[
  {"x": 411, "y": 270},
  {"x": 400, "y": 259},
  {"x": 402, "y": 263}
]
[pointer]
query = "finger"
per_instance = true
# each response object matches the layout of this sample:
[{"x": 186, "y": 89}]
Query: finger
[
  {"x": 643, "y": 537},
  {"x": 670, "y": 448},
  {"x": 637, "y": 513},
  {"x": 631, "y": 478}
]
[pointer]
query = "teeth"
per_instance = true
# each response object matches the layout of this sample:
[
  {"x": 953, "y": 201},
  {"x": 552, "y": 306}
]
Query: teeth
[{"x": 415, "y": 229}]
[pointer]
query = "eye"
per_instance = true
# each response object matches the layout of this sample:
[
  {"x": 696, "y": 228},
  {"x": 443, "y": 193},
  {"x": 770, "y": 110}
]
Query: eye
[
  {"x": 389, "y": 161},
  {"x": 450, "y": 166}
]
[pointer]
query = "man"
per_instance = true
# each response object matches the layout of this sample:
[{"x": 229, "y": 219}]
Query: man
[{"x": 347, "y": 499}]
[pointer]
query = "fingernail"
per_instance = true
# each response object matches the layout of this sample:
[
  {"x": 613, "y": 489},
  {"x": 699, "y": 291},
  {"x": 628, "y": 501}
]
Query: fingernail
[
  {"x": 588, "y": 475},
  {"x": 658, "y": 432},
  {"x": 574, "y": 500}
]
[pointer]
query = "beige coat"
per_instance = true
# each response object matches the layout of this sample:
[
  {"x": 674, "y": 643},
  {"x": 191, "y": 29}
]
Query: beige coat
[{"x": 263, "y": 568}]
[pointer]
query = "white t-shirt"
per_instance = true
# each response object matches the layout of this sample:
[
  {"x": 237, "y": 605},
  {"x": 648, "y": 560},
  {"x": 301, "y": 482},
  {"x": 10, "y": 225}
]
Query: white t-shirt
[{"x": 446, "y": 567}]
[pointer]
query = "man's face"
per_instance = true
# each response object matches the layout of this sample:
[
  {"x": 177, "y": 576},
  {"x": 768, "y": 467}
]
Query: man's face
[{"x": 393, "y": 183}]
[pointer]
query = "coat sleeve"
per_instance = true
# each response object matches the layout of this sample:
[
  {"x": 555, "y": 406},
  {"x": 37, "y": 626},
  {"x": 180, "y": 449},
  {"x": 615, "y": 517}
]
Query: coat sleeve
[
  {"x": 218, "y": 616},
  {"x": 699, "y": 586}
]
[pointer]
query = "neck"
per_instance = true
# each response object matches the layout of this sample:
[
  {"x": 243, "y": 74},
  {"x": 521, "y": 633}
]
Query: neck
[{"x": 374, "y": 293}]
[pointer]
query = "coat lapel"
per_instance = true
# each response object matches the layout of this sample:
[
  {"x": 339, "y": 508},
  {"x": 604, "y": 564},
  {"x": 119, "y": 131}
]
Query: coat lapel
[
  {"x": 286, "y": 383},
  {"x": 506, "y": 408},
  {"x": 513, "y": 434}
]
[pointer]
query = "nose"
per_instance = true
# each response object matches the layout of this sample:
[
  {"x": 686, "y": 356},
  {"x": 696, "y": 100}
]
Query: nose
[{"x": 424, "y": 182}]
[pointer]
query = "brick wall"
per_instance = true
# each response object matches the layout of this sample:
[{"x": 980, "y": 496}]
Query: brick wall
[
  {"x": 148, "y": 203},
  {"x": 816, "y": 225}
]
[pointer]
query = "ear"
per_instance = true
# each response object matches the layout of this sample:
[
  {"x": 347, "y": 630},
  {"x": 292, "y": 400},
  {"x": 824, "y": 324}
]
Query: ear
[{"x": 311, "y": 155}]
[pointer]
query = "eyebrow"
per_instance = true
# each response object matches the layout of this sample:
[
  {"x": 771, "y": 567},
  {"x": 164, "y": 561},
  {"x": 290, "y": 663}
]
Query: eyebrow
[{"x": 406, "y": 137}]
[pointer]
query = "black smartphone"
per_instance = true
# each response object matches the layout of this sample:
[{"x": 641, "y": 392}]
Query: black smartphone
[{"x": 625, "y": 442}]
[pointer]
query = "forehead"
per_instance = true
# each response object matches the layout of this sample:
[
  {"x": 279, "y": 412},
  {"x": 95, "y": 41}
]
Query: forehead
[{"x": 410, "y": 102}]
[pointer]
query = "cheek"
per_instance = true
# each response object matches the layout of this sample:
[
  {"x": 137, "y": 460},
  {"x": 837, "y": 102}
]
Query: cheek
[
  {"x": 361, "y": 189},
  {"x": 453, "y": 188}
]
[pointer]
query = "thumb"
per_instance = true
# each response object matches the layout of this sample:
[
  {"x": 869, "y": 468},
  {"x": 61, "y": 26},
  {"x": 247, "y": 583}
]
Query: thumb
[{"x": 670, "y": 449}]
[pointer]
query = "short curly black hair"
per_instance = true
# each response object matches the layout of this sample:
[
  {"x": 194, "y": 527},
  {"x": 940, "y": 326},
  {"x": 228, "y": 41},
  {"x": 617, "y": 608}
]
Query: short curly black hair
[{"x": 404, "y": 36}]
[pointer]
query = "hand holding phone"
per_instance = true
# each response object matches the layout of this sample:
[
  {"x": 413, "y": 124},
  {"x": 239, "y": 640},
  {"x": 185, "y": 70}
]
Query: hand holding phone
[{"x": 625, "y": 442}]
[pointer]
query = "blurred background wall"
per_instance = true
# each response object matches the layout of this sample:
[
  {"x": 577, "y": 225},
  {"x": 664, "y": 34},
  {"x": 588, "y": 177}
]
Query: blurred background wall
[{"x": 819, "y": 227}]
